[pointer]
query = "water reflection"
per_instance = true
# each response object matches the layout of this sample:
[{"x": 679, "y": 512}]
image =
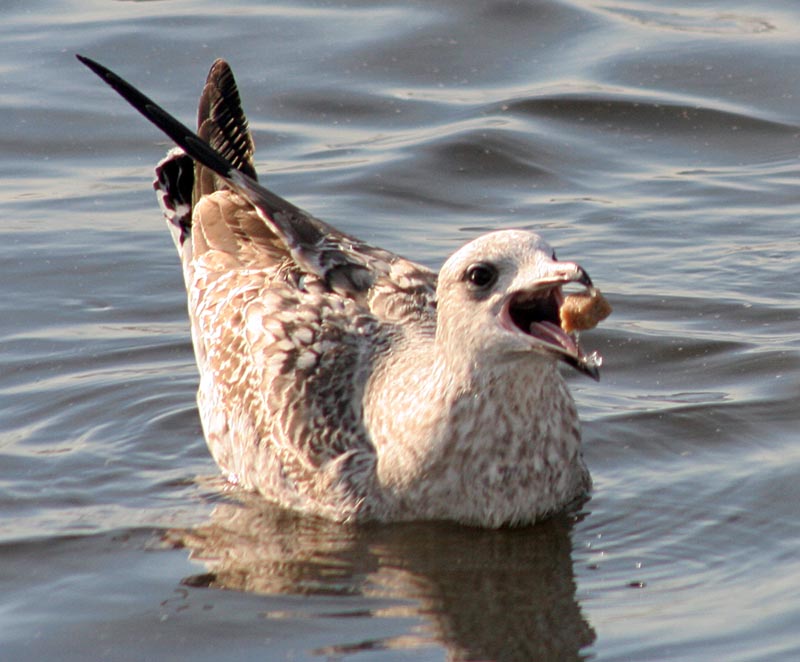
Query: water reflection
[{"x": 507, "y": 594}]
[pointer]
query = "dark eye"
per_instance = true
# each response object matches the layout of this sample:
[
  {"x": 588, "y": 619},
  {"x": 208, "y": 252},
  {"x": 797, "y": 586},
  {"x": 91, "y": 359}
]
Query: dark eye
[{"x": 481, "y": 275}]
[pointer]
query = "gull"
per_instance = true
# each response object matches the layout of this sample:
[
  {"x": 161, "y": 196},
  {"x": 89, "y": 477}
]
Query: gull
[{"x": 343, "y": 381}]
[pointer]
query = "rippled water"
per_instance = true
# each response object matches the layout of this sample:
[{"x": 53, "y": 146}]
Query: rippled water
[{"x": 654, "y": 142}]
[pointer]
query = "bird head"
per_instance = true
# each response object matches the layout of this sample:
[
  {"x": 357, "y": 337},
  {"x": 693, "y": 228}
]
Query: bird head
[{"x": 499, "y": 297}]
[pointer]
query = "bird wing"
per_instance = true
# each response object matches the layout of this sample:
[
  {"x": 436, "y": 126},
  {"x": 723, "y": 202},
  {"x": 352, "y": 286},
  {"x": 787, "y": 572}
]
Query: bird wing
[
  {"x": 386, "y": 283},
  {"x": 287, "y": 311}
]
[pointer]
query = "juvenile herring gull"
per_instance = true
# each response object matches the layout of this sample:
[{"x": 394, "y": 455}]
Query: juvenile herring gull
[{"x": 344, "y": 381}]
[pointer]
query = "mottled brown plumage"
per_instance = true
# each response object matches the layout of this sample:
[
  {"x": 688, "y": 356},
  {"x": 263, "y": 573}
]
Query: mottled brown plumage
[{"x": 341, "y": 380}]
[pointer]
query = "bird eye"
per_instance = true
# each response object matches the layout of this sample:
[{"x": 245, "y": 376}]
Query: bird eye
[{"x": 481, "y": 275}]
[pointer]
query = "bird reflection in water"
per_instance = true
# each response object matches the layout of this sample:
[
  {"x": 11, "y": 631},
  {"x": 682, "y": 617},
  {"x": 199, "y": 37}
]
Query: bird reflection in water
[{"x": 505, "y": 594}]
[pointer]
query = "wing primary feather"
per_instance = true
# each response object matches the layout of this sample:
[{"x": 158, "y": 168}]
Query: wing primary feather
[
  {"x": 179, "y": 132},
  {"x": 222, "y": 122},
  {"x": 315, "y": 245},
  {"x": 191, "y": 143}
]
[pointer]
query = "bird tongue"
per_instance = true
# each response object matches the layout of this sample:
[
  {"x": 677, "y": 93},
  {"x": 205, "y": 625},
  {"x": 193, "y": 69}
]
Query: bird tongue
[{"x": 553, "y": 334}]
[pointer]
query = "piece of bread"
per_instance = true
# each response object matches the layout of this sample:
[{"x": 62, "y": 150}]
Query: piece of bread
[{"x": 584, "y": 310}]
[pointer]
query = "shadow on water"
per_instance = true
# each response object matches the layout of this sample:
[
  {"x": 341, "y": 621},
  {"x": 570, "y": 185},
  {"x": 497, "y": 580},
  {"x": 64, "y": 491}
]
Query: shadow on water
[{"x": 504, "y": 594}]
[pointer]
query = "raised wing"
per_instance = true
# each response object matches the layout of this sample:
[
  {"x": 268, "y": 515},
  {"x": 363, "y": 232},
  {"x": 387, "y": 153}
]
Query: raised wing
[
  {"x": 388, "y": 284},
  {"x": 221, "y": 122}
]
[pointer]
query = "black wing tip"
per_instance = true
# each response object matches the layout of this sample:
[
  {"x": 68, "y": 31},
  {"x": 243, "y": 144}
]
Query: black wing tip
[
  {"x": 219, "y": 67},
  {"x": 184, "y": 137},
  {"x": 95, "y": 66},
  {"x": 197, "y": 148},
  {"x": 221, "y": 120}
]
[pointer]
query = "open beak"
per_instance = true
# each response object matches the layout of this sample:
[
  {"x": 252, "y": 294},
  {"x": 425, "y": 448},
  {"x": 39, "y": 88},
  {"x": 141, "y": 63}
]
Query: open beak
[{"x": 535, "y": 311}]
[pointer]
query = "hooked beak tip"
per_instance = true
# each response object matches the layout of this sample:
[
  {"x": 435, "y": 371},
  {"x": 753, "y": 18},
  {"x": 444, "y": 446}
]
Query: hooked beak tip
[
  {"x": 583, "y": 278},
  {"x": 588, "y": 365}
]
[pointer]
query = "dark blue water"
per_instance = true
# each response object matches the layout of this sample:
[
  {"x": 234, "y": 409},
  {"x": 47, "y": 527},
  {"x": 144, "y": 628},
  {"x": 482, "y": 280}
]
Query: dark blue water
[{"x": 656, "y": 143}]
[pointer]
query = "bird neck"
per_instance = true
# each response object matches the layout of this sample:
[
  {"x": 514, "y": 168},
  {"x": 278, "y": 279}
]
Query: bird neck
[{"x": 449, "y": 424}]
